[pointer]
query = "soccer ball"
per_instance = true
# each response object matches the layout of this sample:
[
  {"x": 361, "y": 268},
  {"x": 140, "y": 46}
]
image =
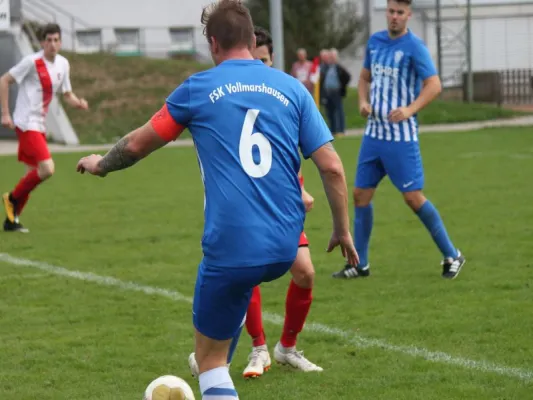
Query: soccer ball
[{"x": 168, "y": 387}]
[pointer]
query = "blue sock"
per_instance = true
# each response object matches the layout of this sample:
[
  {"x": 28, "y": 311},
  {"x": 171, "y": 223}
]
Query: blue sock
[
  {"x": 364, "y": 220},
  {"x": 429, "y": 215},
  {"x": 216, "y": 384},
  {"x": 234, "y": 342}
]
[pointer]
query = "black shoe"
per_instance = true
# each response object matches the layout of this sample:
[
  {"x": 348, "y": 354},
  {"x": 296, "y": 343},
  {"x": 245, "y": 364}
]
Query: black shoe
[
  {"x": 349, "y": 272},
  {"x": 14, "y": 227},
  {"x": 452, "y": 266}
]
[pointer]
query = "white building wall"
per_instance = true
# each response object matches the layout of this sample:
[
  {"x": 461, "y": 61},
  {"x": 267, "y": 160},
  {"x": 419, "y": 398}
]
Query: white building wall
[{"x": 152, "y": 18}]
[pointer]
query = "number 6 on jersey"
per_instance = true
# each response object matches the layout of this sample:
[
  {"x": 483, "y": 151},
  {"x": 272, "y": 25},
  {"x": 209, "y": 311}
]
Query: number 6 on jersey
[{"x": 249, "y": 139}]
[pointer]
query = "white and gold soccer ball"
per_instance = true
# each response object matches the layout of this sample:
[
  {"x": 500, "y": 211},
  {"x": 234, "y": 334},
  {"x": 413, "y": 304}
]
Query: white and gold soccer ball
[{"x": 168, "y": 387}]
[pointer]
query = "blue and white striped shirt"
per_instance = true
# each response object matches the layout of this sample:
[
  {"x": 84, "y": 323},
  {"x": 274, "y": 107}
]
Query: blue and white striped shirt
[{"x": 398, "y": 67}]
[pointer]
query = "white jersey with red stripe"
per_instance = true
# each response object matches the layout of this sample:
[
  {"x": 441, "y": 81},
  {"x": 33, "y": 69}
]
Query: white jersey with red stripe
[{"x": 38, "y": 80}]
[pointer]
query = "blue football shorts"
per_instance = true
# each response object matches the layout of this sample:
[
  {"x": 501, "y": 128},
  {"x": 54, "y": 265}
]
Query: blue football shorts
[
  {"x": 222, "y": 296},
  {"x": 401, "y": 161}
]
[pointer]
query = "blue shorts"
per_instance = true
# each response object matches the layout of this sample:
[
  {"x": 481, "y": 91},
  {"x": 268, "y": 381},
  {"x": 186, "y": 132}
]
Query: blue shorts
[
  {"x": 401, "y": 161},
  {"x": 222, "y": 295}
]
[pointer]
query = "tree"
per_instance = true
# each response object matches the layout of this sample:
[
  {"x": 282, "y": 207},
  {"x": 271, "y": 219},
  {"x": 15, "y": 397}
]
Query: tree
[{"x": 312, "y": 24}]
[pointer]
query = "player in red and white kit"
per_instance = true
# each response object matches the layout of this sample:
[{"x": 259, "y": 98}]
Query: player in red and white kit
[
  {"x": 39, "y": 76},
  {"x": 299, "y": 295},
  {"x": 297, "y": 305}
]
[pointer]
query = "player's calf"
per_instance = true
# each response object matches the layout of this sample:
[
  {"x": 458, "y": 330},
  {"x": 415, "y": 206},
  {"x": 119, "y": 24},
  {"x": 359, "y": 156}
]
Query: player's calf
[
  {"x": 363, "y": 224},
  {"x": 15, "y": 201},
  {"x": 215, "y": 381},
  {"x": 299, "y": 297},
  {"x": 453, "y": 259}
]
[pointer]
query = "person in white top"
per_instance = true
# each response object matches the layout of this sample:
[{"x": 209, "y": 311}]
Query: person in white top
[
  {"x": 301, "y": 69},
  {"x": 39, "y": 76}
]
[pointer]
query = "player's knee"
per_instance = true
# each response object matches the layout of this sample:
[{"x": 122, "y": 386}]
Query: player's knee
[
  {"x": 46, "y": 169},
  {"x": 414, "y": 200},
  {"x": 362, "y": 197},
  {"x": 304, "y": 275},
  {"x": 305, "y": 280}
]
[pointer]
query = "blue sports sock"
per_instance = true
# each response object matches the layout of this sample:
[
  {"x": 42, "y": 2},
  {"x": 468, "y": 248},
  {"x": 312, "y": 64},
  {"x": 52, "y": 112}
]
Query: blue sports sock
[
  {"x": 234, "y": 342},
  {"x": 429, "y": 215},
  {"x": 364, "y": 220},
  {"x": 216, "y": 384}
]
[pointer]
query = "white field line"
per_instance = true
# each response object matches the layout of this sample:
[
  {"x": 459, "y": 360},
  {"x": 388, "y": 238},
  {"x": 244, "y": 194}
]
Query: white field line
[{"x": 350, "y": 337}]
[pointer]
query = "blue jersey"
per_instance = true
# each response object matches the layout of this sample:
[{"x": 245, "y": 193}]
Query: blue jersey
[
  {"x": 398, "y": 67},
  {"x": 248, "y": 122}
]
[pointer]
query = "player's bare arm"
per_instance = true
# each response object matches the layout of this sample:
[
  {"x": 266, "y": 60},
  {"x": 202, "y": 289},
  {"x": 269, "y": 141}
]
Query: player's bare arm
[
  {"x": 5, "y": 81},
  {"x": 133, "y": 147},
  {"x": 75, "y": 102},
  {"x": 430, "y": 90},
  {"x": 331, "y": 171},
  {"x": 365, "y": 78},
  {"x": 308, "y": 200}
]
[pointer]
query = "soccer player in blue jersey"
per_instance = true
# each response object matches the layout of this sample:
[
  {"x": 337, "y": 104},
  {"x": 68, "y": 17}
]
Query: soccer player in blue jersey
[
  {"x": 299, "y": 295},
  {"x": 248, "y": 122},
  {"x": 398, "y": 80}
]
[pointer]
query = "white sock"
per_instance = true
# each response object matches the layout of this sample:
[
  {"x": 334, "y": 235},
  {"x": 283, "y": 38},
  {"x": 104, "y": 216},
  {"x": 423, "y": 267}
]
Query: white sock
[
  {"x": 286, "y": 350},
  {"x": 216, "y": 384}
]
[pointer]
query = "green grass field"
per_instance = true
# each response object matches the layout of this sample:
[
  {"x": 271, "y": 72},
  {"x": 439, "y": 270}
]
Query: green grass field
[
  {"x": 124, "y": 92},
  {"x": 404, "y": 333}
]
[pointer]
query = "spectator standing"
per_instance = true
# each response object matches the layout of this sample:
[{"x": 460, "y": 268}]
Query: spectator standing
[{"x": 334, "y": 79}]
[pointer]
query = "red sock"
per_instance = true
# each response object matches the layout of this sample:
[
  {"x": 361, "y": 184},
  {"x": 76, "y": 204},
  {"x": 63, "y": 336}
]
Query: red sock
[
  {"x": 254, "y": 319},
  {"x": 297, "y": 307},
  {"x": 21, "y": 203},
  {"x": 30, "y": 181}
]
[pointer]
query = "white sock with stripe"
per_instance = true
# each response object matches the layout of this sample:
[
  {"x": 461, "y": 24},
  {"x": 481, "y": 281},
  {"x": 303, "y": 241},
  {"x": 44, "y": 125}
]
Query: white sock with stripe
[{"x": 216, "y": 384}]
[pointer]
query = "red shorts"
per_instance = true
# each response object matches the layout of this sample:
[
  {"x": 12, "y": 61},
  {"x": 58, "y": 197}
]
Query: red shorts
[
  {"x": 32, "y": 147},
  {"x": 303, "y": 240}
]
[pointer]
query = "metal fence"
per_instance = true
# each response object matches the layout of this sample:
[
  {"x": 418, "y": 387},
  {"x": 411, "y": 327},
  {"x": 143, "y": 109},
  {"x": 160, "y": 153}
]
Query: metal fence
[
  {"x": 517, "y": 86},
  {"x": 501, "y": 36}
]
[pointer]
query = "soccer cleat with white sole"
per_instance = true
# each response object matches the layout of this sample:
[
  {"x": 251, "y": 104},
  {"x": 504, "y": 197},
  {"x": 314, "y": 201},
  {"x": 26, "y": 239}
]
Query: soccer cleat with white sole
[
  {"x": 259, "y": 362},
  {"x": 290, "y": 356}
]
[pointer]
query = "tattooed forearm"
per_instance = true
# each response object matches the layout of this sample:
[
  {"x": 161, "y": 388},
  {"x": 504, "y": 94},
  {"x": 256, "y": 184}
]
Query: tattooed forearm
[{"x": 119, "y": 157}]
